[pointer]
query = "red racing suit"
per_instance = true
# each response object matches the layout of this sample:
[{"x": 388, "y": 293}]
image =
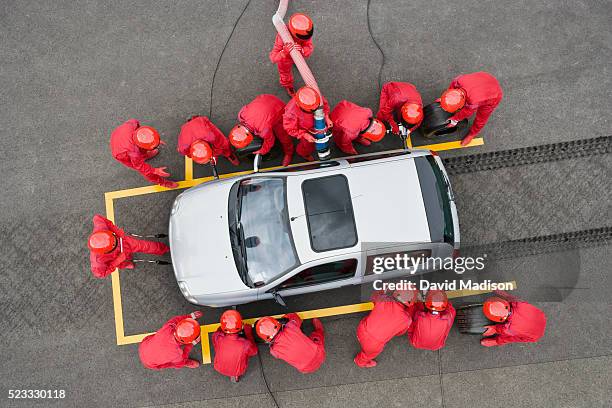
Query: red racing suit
[
  {"x": 232, "y": 351},
  {"x": 526, "y": 323},
  {"x": 388, "y": 318},
  {"x": 349, "y": 121},
  {"x": 392, "y": 96},
  {"x": 103, "y": 265},
  {"x": 161, "y": 350},
  {"x": 201, "y": 128},
  {"x": 306, "y": 353},
  {"x": 126, "y": 152},
  {"x": 299, "y": 124},
  {"x": 429, "y": 331},
  {"x": 483, "y": 94},
  {"x": 263, "y": 116},
  {"x": 283, "y": 59}
]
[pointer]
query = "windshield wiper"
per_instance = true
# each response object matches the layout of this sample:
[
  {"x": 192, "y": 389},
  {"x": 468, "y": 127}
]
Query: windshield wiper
[{"x": 241, "y": 244}]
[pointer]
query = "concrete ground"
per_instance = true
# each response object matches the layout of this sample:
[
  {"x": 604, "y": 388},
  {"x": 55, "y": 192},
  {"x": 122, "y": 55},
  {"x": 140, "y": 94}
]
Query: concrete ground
[{"x": 73, "y": 70}]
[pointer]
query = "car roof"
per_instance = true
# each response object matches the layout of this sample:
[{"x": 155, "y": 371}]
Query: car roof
[{"x": 387, "y": 203}]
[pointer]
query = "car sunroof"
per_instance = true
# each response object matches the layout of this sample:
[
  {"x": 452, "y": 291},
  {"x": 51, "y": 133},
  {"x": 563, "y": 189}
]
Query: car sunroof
[{"x": 329, "y": 212}]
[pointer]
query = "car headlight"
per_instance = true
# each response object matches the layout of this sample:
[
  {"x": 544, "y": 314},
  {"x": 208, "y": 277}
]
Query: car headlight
[
  {"x": 185, "y": 291},
  {"x": 176, "y": 204}
]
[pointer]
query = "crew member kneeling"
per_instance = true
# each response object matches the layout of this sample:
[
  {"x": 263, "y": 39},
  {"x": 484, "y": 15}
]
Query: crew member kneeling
[
  {"x": 170, "y": 346},
  {"x": 352, "y": 123},
  {"x": 132, "y": 145},
  {"x": 201, "y": 140},
  {"x": 298, "y": 119},
  {"x": 518, "y": 321},
  {"x": 432, "y": 321},
  {"x": 400, "y": 102},
  {"x": 390, "y": 317},
  {"x": 262, "y": 117},
  {"x": 289, "y": 343},
  {"x": 111, "y": 247},
  {"x": 467, "y": 94},
  {"x": 232, "y": 351}
]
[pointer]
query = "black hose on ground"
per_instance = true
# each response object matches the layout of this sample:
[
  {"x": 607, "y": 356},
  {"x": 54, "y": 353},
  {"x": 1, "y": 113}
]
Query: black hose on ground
[
  {"x": 377, "y": 46},
  {"x": 263, "y": 375},
  {"x": 212, "y": 85}
]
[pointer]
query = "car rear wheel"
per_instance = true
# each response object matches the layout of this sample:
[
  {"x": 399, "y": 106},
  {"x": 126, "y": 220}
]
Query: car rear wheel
[
  {"x": 435, "y": 121},
  {"x": 471, "y": 319}
]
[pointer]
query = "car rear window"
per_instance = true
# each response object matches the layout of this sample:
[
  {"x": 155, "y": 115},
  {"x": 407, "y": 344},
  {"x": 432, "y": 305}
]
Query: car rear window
[
  {"x": 329, "y": 213},
  {"x": 436, "y": 198}
]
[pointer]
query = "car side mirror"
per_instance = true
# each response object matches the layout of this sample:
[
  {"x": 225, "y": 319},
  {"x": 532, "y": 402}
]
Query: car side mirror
[
  {"x": 279, "y": 299},
  {"x": 256, "y": 163}
]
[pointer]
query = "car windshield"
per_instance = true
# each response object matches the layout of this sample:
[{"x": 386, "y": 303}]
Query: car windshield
[
  {"x": 261, "y": 235},
  {"x": 329, "y": 212}
]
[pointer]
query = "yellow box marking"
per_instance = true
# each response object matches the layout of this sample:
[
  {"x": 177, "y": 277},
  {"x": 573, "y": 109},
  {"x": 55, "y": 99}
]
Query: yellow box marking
[{"x": 189, "y": 181}]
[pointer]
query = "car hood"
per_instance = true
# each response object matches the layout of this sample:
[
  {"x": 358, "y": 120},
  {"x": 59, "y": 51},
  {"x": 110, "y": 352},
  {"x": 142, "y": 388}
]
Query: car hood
[{"x": 200, "y": 243}]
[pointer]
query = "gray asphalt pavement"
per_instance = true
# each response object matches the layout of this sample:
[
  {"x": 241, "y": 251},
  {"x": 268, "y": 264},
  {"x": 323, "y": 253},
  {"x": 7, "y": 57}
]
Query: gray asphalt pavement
[{"x": 71, "y": 71}]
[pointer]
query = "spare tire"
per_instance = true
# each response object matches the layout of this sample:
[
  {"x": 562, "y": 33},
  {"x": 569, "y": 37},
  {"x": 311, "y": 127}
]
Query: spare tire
[
  {"x": 435, "y": 120},
  {"x": 471, "y": 319}
]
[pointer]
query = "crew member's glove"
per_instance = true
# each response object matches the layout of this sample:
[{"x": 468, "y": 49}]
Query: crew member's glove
[
  {"x": 488, "y": 342},
  {"x": 196, "y": 315},
  {"x": 394, "y": 127},
  {"x": 161, "y": 171},
  {"x": 307, "y": 136},
  {"x": 452, "y": 123},
  {"x": 490, "y": 331}
]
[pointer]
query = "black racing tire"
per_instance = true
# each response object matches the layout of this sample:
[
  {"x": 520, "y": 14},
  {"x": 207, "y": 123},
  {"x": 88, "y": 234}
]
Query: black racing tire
[
  {"x": 435, "y": 121},
  {"x": 471, "y": 320}
]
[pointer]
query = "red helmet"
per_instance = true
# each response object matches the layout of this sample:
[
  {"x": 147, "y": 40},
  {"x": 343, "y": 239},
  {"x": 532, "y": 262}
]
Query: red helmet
[
  {"x": 231, "y": 321},
  {"x": 412, "y": 113},
  {"x": 240, "y": 136},
  {"x": 267, "y": 328},
  {"x": 436, "y": 300},
  {"x": 102, "y": 242},
  {"x": 187, "y": 331},
  {"x": 146, "y": 138},
  {"x": 496, "y": 309},
  {"x": 307, "y": 98},
  {"x": 300, "y": 26},
  {"x": 376, "y": 131},
  {"x": 452, "y": 100},
  {"x": 200, "y": 152},
  {"x": 407, "y": 297}
]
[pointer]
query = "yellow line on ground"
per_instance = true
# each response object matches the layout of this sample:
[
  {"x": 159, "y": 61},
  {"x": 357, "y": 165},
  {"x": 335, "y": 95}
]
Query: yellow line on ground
[
  {"x": 188, "y": 168},
  {"x": 116, "y": 284},
  {"x": 117, "y": 307},
  {"x": 205, "y": 342},
  {"x": 131, "y": 192},
  {"x": 409, "y": 141},
  {"x": 451, "y": 145},
  {"x": 134, "y": 338},
  {"x": 110, "y": 208}
]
